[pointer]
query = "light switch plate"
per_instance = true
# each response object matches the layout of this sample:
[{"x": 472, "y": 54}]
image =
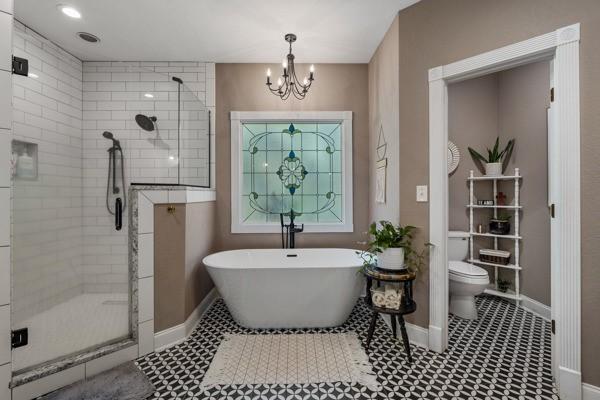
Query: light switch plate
[{"x": 422, "y": 194}]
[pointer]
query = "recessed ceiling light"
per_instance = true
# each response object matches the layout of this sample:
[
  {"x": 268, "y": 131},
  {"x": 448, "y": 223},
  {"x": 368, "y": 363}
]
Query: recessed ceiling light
[
  {"x": 69, "y": 11},
  {"x": 149, "y": 95},
  {"x": 88, "y": 37},
  {"x": 32, "y": 75}
]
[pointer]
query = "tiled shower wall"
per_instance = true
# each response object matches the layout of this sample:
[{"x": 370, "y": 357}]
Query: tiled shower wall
[
  {"x": 47, "y": 212},
  {"x": 113, "y": 93},
  {"x": 6, "y": 27}
]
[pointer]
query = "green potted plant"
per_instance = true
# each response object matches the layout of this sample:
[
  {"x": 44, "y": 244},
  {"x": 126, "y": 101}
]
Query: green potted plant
[
  {"x": 503, "y": 285},
  {"x": 389, "y": 244},
  {"x": 496, "y": 161},
  {"x": 501, "y": 224}
]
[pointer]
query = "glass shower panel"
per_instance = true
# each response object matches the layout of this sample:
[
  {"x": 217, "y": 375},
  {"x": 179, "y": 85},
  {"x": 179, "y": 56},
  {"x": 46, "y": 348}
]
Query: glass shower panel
[
  {"x": 194, "y": 140},
  {"x": 153, "y": 154},
  {"x": 70, "y": 282}
]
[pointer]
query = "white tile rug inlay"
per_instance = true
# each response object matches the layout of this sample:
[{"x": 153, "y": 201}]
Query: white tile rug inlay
[{"x": 290, "y": 359}]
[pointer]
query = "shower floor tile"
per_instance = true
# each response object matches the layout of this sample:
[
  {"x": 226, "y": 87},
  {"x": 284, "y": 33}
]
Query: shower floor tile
[
  {"x": 505, "y": 354},
  {"x": 81, "y": 322}
]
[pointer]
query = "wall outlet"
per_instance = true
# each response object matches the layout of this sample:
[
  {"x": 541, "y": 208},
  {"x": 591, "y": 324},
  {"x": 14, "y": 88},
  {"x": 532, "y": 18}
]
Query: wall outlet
[{"x": 422, "y": 194}]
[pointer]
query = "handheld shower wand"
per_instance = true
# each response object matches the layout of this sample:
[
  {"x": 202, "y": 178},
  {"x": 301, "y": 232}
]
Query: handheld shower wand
[{"x": 112, "y": 173}]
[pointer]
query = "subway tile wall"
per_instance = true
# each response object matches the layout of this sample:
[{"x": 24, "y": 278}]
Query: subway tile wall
[
  {"x": 6, "y": 22},
  {"x": 113, "y": 94},
  {"x": 47, "y": 247}
]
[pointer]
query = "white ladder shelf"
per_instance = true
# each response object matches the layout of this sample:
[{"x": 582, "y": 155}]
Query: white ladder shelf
[{"x": 516, "y": 237}]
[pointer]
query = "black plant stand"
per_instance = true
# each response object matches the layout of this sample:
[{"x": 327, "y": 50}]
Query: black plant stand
[{"x": 407, "y": 305}]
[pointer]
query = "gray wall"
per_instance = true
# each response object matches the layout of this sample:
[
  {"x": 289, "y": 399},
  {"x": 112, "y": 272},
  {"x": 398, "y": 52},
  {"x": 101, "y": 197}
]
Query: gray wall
[
  {"x": 509, "y": 104},
  {"x": 337, "y": 87},
  {"x": 435, "y": 33}
]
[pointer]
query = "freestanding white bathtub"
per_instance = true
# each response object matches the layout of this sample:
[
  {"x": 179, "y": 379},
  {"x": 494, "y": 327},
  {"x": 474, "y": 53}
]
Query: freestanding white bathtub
[{"x": 287, "y": 288}]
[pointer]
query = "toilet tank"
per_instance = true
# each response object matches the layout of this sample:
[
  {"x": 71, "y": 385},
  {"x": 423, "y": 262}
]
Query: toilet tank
[{"x": 458, "y": 245}]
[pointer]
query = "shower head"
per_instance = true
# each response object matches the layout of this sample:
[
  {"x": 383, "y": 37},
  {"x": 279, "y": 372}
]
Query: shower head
[
  {"x": 110, "y": 136},
  {"x": 145, "y": 122}
]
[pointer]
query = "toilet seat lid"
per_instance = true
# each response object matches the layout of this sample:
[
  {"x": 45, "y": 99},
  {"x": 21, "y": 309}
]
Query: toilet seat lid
[{"x": 465, "y": 269}]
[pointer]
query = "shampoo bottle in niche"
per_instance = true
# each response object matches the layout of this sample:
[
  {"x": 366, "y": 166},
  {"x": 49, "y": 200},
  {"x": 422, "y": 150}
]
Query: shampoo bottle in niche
[{"x": 25, "y": 166}]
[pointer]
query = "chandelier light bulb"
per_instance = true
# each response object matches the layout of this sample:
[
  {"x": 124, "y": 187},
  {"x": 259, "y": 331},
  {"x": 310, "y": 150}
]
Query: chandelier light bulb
[
  {"x": 279, "y": 82},
  {"x": 305, "y": 82},
  {"x": 269, "y": 72},
  {"x": 284, "y": 63},
  {"x": 312, "y": 68}
]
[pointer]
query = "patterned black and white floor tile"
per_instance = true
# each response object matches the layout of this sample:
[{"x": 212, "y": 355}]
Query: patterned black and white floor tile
[{"x": 505, "y": 354}]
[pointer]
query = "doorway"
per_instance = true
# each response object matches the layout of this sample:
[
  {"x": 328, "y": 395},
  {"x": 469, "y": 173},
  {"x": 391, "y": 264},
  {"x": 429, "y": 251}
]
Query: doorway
[{"x": 561, "y": 47}]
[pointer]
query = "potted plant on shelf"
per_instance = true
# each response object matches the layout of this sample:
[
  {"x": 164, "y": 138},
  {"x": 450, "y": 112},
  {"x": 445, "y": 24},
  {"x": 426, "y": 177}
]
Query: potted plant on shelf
[
  {"x": 389, "y": 244},
  {"x": 503, "y": 285},
  {"x": 391, "y": 248},
  {"x": 500, "y": 225},
  {"x": 497, "y": 160}
]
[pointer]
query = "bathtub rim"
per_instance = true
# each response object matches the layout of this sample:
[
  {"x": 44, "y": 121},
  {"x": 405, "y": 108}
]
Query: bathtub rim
[{"x": 359, "y": 263}]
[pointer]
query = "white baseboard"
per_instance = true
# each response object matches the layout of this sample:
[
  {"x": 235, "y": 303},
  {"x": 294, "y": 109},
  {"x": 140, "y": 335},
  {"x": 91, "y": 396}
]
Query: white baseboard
[
  {"x": 536, "y": 307},
  {"x": 416, "y": 334},
  {"x": 178, "y": 333},
  {"x": 590, "y": 392},
  {"x": 435, "y": 339},
  {"x": 569, "y": 384}
]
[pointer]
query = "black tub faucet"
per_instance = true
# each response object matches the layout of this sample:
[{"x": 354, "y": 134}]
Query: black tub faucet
[{"x": 288, "y": 231}]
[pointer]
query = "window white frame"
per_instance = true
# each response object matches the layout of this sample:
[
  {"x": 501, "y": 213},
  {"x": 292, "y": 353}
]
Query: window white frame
[
  {"x": 238, "y": 118},
  {"x": 562, "y": 48}
]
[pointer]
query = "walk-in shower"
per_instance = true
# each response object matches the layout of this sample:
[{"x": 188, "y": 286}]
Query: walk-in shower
[{"x": 74, "y": 162}]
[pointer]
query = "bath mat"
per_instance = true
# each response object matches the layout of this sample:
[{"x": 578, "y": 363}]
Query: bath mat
[
  {"x": 290, "y": 359},
  {"x": 125, "y": 382}
]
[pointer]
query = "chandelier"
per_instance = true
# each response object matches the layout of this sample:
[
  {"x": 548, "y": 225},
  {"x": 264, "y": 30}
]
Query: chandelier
[{"x": 288, "y": 83}]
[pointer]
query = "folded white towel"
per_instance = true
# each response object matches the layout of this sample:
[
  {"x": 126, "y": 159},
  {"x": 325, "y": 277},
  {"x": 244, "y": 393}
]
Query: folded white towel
[
  {"x": 391, "y": 293},
  {"x": 393, "y": 305},
  {"x": 378, "y": 297}
]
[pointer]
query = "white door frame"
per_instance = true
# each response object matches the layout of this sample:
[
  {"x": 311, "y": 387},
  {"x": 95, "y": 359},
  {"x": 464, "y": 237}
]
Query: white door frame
[{"x": 562, "y": 47}]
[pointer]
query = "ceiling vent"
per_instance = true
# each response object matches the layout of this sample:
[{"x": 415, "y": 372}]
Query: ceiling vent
[{"x": 88, "y": 37}]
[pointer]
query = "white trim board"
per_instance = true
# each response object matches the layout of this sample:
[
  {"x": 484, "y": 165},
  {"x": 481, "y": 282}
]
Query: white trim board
[
  {"x": 178, "y": 333},
  {"x": 416, "y": 334},
  {"x": 591, "y": 392},
  {"x": 536, "y": 307},
  {"x": 562, "y": 48},
  {"x": 239, "y": 117}
]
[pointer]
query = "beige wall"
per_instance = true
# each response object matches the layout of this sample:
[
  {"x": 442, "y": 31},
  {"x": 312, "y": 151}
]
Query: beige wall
[
  {"x": 435, "y": 33},
  {"x": 241, "y": 87},
  {"x": 384, "y": 96},
  {"x": 509, "y": 104},
  {"x": 199, "y": 242},
  {"x": 472, "y": 121},
  {"x": 181, "y": 240},
  {"x": 169, "y": 261},
  {"x": 523, "y": 95}
]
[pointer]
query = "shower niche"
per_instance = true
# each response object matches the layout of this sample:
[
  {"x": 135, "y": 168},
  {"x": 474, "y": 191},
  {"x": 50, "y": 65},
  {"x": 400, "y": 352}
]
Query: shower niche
[{"x": 24, "y": 160}]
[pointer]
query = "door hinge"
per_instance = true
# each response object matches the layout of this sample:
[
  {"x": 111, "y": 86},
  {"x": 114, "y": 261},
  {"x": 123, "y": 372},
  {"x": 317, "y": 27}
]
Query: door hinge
[
  {"x": 551, "y": 208},
  {"x": 553, "y": 327},
  {"x": 19, "y": 338},
  {"x": 20, "y": 66},
  {"x": 551, "y": 94}
]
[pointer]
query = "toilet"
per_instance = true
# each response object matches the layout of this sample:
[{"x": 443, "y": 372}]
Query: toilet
[{"x": 465, "y": 280}]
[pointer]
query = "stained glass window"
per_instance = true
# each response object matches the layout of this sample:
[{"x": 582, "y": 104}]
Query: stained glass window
[{"x": 292, "y": 166}]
